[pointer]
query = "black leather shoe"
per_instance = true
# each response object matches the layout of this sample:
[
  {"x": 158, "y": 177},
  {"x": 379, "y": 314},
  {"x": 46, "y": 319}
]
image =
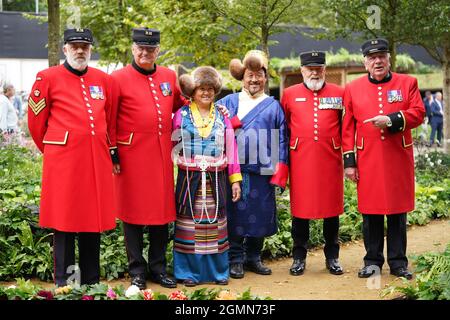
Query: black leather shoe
[
  {"x": 368, "y": 271},
  {"x": 333, "y": 266},
  {"x": 257, "y": 267},
  {"x": 236, "y": 270},
  {"x": 164, "y": 281},
  {"x": 189, "y": 283},
  {"x": 298, "y": 267},
  {"x": 402, "y": 272},
  {"x": 223, "y": 282},
  {"x": 139, "y": 281}
]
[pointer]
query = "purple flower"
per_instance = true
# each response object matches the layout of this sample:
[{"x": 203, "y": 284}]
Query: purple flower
[
  {"x": 86, "y": 297},
  {"x": 47, "y": 295}
]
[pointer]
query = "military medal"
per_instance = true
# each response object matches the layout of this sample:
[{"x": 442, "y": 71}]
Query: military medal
[
  {"x": 165, "y": 89},
  {"x": 96, "y": 92},
  {"x": 334, "y": 103},
  {"x": 394, "y": 96}
]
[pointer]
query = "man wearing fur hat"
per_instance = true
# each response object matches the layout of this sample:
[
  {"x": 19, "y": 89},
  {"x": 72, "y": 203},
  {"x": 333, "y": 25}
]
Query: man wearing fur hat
[
  {"x": 262, "y": 143},
  {"x": 206, "y": 155},
  {"x": 313, "y": 113},
  {"x": 146, "y": 95}
]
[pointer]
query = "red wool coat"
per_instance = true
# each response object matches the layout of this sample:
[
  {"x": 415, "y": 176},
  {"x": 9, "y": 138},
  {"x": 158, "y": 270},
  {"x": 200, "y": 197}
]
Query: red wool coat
[
  {"x": 68, "y": 118},
  {"x": 145, "y": 186},
  {"x": 315, "y": 157},
  {"x": 384, "y": 157}
]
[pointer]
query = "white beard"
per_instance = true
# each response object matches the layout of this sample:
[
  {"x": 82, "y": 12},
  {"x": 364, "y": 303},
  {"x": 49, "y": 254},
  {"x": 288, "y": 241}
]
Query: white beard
[
  {"x": 314, "y": 85},
  {"x": 78, "y": 65}
]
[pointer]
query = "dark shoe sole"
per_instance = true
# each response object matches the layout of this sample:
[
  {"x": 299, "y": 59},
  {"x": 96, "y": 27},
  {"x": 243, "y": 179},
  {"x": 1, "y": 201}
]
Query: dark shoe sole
[
  {"x": 257, "y": 272},
  {"x": 292, "y": 273},
  {"x": 364, "y": 276},
  {"x": 190, "y": 283},
  {"x": 404, "y": 277},
  {"x": 237, "y": 276},
  {"x": 336, "y": 273}
]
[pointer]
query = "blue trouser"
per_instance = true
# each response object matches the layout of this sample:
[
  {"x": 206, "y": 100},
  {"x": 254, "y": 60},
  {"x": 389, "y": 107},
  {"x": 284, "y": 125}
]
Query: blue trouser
[
  {"x": 436, "y": 127},
  {"x": 245, "y": 249}
]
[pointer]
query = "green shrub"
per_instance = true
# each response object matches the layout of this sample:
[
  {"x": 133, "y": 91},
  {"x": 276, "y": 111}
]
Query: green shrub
[{"x": 432, "y": 279}]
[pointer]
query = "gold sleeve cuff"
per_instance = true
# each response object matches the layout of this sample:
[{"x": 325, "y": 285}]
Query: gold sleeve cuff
[{"x": 235, "y": 177}]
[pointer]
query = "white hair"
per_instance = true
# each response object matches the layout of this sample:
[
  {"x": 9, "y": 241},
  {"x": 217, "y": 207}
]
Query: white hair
[{"x": 74, "y": 63}]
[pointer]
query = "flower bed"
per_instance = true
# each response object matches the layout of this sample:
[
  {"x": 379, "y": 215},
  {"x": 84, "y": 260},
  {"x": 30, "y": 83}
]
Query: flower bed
[{"x": 26, "y": 290}]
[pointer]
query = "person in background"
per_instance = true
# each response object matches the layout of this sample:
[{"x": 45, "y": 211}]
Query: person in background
[
  {"x": 8, "y": 114},
  {"x": 437, "y": 119}
]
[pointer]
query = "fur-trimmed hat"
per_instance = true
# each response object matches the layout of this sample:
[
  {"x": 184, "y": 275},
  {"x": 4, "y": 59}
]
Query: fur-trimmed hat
[
  {"x": 200, "y": 76},
  {"x": 254, "y": 60}
]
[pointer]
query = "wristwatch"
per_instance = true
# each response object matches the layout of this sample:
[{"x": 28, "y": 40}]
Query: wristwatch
[{"x": 389, "y": 123}]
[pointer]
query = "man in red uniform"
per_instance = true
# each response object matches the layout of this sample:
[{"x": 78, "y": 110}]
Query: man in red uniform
[
  {"x": 381, "y": 109},
  {"x": 146, "y": 95},
  {"x": 68, "y": 118},
  {"x": 313, "y": 113}
]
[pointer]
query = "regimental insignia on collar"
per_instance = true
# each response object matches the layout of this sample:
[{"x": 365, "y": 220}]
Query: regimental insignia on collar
[
  {"x": 96, "y": 92},
  {"x": 165, "y": 89},
  {"x": 330, "y": 103},
  {"x": 394, "y": 96},
  {"x": 37, "y": 107}
]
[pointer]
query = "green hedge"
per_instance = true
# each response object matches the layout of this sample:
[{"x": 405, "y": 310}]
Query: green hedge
[{"x": 26, "y": 249}]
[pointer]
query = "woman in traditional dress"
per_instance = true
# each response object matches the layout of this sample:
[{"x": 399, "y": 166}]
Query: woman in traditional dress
[{"x": 206, "y": 155}]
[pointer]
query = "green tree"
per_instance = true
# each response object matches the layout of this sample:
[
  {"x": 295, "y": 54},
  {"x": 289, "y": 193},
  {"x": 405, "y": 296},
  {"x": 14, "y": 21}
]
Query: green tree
[
  {"x": 366, "y": 19},
  {"x": 111, "y": 22},
  {"x": 194, "y": 32},
  {"x": 429, "y": 22},
  {"x": 259, "y": 18},
  {"x": 23, "y": 5}
]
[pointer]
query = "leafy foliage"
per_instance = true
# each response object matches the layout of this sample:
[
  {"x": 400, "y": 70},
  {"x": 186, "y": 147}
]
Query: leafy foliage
[{"x": 432, "y": 281}]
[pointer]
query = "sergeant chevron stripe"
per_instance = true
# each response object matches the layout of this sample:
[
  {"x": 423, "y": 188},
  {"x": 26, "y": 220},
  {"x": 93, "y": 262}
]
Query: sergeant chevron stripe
[{"x": 37, "y": 106}]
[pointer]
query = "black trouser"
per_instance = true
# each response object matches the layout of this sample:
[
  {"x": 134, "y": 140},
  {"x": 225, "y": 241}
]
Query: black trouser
[
  {"x": 373, "y": 232},
  {"x": 158, "y": 236},
  {"x": 245, "y": 249},
  {"x": 64, "y": 257},
  {"x": 300, "y": 235}
]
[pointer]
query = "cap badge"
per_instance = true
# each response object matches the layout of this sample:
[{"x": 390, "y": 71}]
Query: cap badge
[{"x": 374, "y": 42}]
